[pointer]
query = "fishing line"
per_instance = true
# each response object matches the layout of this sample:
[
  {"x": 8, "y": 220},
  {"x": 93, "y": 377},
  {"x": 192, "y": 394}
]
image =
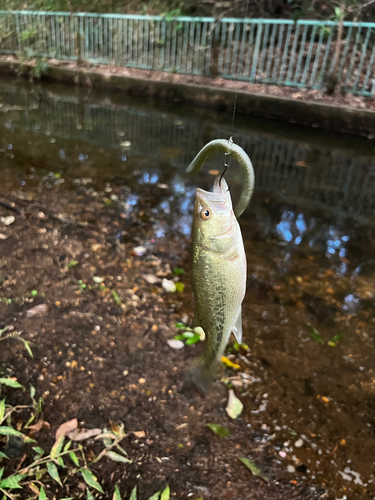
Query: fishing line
[{"x": 230, "y": 140}]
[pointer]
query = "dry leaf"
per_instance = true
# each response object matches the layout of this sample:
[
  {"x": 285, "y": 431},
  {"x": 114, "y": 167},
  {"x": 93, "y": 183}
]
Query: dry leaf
[
  {"x": 39, "y": 309},
  {"x": 66, "y": 427},
  {"x": 139, "y": 434},
  {"x": 234, "y": 407},
  {"x": 82, "y": 434},
  {"x": 39, "y": 425}
]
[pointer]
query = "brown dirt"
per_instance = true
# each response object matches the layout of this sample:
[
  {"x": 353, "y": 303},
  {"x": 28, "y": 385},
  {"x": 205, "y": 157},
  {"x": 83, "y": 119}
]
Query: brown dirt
[{"x": 86, "y": 343}]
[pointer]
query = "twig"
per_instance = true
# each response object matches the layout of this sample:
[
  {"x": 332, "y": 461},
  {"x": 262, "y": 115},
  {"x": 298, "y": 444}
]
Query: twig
[
  {"x": 108, "y": 448},
  {"x": 7, "y": 494}
]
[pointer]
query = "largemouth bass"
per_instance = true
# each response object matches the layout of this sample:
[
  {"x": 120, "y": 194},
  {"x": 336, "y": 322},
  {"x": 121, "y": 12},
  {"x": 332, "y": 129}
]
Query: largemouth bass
[{"x": 218, "y": 270}]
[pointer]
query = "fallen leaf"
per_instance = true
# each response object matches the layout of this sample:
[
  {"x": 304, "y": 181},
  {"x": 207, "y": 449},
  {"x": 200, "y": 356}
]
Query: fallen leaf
[
  {"x": 227, "y": 362},
  {"x": 139, "y": 434},
  {"x": 39, "y": 309},
  {"x": 175, "y": 344},
  {"x": 82, "y": 434},
  {"x": 39, "y": 425},
  {"x": 66, "y": 427},
  {"x": 7, "y": 221},
  {"x": 218, "y": 429},
  {"x": 253, "y": 468},
  {"x": 234, "y": 406},
  {"x": 169, "y": 285}
]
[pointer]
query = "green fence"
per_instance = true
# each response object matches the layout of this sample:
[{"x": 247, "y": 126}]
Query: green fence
[{"x": 272, "y": 51}]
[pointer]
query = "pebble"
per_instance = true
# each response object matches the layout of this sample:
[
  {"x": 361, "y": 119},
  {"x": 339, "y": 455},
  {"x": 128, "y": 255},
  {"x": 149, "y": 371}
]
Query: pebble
[
  {"x": 282, "y": 454},
  {"x": 139, "y": 251},
  {"x": 175, "y": 344},
  {"x": 3, "y": 236},
  {"x": 7, "y": 221},
  {"x": 168, "y": 285},
  {"x": 298, "y": 443},
  {"x": 291, "y": 468},
  {"x": 125, "y": 373},
  {"x": 142, "y": 381},
  {"x": 151, "y": 278}
]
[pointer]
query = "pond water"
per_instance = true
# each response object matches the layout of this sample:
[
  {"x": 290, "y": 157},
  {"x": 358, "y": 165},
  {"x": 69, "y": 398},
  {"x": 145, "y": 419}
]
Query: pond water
[{"x": 309, "y": 234}]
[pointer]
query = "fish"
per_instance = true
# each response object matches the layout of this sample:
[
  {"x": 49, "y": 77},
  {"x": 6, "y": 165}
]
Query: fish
[{"x": 218, "y": 272}]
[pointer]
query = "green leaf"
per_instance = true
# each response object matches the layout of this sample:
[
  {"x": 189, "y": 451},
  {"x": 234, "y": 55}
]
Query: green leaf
[
  {"x": 42, "y": 494},
  {"x": 39, "y": 451},
  {"x": 27, "y": 346},
  {"x": 253, "y": 468},
  {"x": 193, "y": 340},
  {"x": 217, "y": 429},
  {"x": 90, "y": 496},
  {"x": 11, "y": 382},
  {"x": 60, "y": 461},
  {"x": 118, "y": 458},
  {"x": 74, "y": 458},
  {"x": 155, "y": 496},
  {"x": 34, "y": 293},
  {"x": 180, "y": 287},
  {"x": 9, "y": 431},
  {"x": 91, "y": 480},
  {"x": 180, "y": 325},
  {"x": 68, "y": 445},
  {"x": 2, "y": 410},
  {"x": 116, "y": 298},
  {"x": 335, "y": 339},
  {"x": 2, "y": 455},
  {"x": 1, "y": 472},
  {"x": 116, "y": 493},
  {"x": 32, "y": 391},
  {"x": 178, "y": 271},
  {"x": 53, "y": 472},
  {"x": 166, "y": 493},
  {"x": 72, "y": 263},
  {"x": 57, "y": 447},
  {"x": 3, "y": 330},
  {"x": 133, "y": 494},
  {"x": 315, "y": 335},
  {"x": 12, "y": 482}
]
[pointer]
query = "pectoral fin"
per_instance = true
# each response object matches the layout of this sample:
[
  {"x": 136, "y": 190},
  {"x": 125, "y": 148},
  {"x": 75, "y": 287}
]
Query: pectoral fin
[
  {"x": 237, "y": 327},
  {"x": 196, "y": 320}
]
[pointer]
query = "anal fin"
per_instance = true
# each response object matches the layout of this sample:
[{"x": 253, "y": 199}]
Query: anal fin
[{"x": 237, "y": 327}]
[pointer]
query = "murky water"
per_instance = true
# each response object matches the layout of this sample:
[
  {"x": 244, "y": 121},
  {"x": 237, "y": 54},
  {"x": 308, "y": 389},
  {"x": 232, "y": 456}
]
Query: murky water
[{"x": 309, "y": 237}]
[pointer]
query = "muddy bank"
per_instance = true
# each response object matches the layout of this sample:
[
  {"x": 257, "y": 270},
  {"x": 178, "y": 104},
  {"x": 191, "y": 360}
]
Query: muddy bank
[
  {"x": 111, "y": 174},
  {"x": 346, "y": 113}
]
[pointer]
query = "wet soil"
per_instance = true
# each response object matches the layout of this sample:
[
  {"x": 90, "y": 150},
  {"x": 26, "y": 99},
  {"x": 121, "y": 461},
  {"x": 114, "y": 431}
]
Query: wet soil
[{"x": 307, "y": 382}]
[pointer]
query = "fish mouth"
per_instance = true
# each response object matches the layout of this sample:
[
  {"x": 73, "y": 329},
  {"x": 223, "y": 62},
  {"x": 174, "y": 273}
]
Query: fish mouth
[{"x": 210, "y": 196}]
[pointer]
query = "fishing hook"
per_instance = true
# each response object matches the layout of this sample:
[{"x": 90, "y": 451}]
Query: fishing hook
[{"x": 226, "y": 164}]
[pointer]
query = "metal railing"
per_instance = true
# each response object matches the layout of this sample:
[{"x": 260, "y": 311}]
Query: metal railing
[{"x": 272, "y": 51}]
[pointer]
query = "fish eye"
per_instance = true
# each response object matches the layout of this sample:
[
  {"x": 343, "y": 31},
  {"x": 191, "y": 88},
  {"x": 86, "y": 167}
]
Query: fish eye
[{"x": 205, "y": 213}]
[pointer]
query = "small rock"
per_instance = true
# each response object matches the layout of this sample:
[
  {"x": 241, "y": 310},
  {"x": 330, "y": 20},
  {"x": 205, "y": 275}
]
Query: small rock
[
  {"x": 162, "y": 186},
  {"x": 291, "y": 468},
  {"x": 142, "y": 381},
  {"x": 282, "y": 454},
  {"x": 3, "y": 236},
  {"x": 139, "y": 251},
  {"x": 298, "y": 443},
  {"x": 151, "y": 278},
  {"x": 7, "y": 221},
  {"x": 175, "y": 344},
  {"x": 168, "y": 285},
  {"x": 125, "y": 373}
]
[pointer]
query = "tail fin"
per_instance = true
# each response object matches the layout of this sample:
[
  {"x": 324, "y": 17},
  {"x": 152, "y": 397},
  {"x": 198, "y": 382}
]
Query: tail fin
[{"x": 199, "y": 377}]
